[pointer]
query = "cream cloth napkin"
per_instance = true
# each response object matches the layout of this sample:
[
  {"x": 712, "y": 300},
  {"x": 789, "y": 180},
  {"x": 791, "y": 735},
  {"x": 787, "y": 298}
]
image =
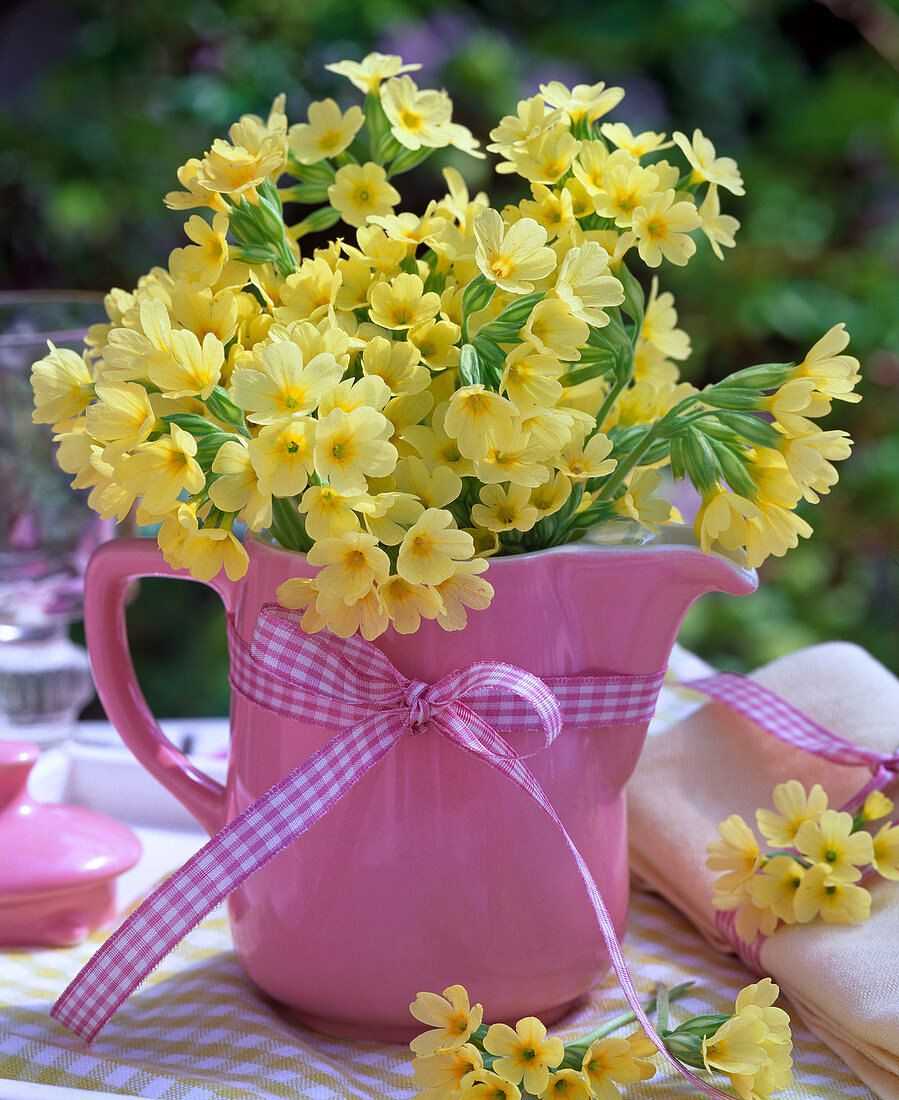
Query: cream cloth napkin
[{"x": 842, "y": 980}]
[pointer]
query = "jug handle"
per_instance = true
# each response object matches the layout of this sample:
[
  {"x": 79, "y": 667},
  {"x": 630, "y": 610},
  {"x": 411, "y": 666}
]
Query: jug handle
[{"x": 112, "y": 568}]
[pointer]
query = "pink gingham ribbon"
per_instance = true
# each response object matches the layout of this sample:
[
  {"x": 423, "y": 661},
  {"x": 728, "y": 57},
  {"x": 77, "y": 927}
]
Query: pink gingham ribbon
[
  {"x": 331, "y": 681},
  {"x": 784, "y": 721}
]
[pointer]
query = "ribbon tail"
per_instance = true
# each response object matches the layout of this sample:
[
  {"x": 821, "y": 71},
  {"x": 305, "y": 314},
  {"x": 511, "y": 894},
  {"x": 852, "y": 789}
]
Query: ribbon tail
[
  {"x": 253, "y": 838},
  {"x": 455, "y": 723}
]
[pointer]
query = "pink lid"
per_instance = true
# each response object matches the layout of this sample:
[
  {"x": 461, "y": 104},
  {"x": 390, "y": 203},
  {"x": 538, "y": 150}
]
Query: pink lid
[{"x": 49, "y": 848}]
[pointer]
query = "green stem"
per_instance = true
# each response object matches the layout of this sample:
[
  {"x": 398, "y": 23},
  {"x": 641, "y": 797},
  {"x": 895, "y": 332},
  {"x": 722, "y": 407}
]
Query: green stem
[{"x": 627, "y": 464}]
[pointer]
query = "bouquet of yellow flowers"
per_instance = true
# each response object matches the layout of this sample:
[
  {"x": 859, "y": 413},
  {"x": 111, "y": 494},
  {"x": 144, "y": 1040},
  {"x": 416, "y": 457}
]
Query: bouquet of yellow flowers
[{"x": 433, "y": 388}]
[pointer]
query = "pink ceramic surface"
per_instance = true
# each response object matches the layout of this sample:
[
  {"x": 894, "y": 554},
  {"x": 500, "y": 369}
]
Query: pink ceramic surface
[
  {"x": 434, "y": 869},
  {"x": 58, "y": 863}
]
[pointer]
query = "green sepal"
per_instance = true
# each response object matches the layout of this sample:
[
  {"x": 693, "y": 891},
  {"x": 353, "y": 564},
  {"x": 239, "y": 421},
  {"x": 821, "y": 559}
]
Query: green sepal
[
  {"x": 476, "y": 295},
  {"x": 733, "y": 466},
  {"x": 321, "y": 173},
  {"x": 190, "y": 422},
  {"x": 752, "y": 429},
  {"x": 320, "y": 219},
  {"x": 288, "y": 526},
  {"x": 305, "y": 192},
  {"x": 210, "y": 445},
  {"x": 471, "y": 369},
  {"x": 223, "y": 408},
  {"x": 376, "y": 122},
  {"x": 734, "y": 398},
  {"x": 701, "y": 462},
  {"x": 407, "y": 159},
  {"x": 764, "y": 376},
  {"x": 633, "y": 304}
]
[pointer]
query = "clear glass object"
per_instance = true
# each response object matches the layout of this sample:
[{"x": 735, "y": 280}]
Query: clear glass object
[{"x": 47, "y": 531}]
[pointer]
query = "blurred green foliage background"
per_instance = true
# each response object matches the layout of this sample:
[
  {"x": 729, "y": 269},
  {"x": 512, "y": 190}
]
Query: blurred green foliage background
[{"x": 102, "y": 100}]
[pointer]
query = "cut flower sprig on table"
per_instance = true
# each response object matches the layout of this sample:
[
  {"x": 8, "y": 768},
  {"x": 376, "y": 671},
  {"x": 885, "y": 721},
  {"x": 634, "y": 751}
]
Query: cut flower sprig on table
[
  {"x": 432, "y": 388},
  {"x": 812, "y": 869},
  {"x": 460, "y": 1057}
]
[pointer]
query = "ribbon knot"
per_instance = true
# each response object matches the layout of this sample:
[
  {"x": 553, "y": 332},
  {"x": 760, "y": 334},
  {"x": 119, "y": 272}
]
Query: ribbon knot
[{"x": 419, "y": 707}]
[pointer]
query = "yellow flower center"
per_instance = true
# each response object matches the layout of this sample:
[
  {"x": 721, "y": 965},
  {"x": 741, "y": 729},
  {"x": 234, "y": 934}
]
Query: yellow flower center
[
  {"x": 329, "y": 140},
  {"x": 338, "y": 451},
  {"x": 363, "y": 195},
  {"x": 501, "y": 267},
  {"x": 423, "y": 544},
  {"x": 507, "y": 517},
  {"x": 411, "y": 120},
  {"x": 291, "y": 403},
  {"x": 831, "y": 856},
  {"x": 355, "y": 559},
  {"x": 655, "y": 227},
  {"x": 292, "y": 447},
  {"x": 528, "y": 1054}
]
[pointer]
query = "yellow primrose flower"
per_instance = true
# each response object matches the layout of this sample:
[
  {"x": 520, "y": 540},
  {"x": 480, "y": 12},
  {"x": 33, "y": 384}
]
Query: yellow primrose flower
[
  {"x": 737, "y": 1046},
  {"x": 807, "y": 455},
  {"x": 549, "y": 497},
  {"x": 233, "y": 170},
  {"x": 706, "y": 166},
  {"x": 464, "y": 589},
  {"x": 402, "y": 303},
  {"x": 837, "y": 901},
  {"x": 189, "y": 369},
  {"x": 208, "y": 550},
  {"x": 507, "y": 509},
  {"x": 660, "y": 324},
  {"x": 794, "y": 807},
  {"x": 410, "y": 228},
  {"x": 330, "y": 514},
  {"x": 406, "y": 604},
  {"x": 196, "y": 194},
  {"x": 370, "y": 391},
  {"x": 833, "y": 373},
  {"x": 520, "y": 462},
  {"x": 486, "y": 1085},
  {"x": 201, "y": 311},
  {"x": 792, "y": 403},
  {"x": 284, "y": 386},
  {"x": 328, "y": 132},
  {"x": 775, "y": 887},
  {"x": 875, "y": 806},
  {"x": 639, "y": 504},
  {"x": 614, "y": 1061},
  {"x": 350, "y": 447},
  {"x": 63, "y": 385},
  {"x": 885, "y": 860},
  {"x": 829, "y": 840},
  {"x": 736, "y": 855},
  {"x": 626, "y": 186},
  {"x": 719, "y": 228},
  {"x": 551, "y": 209},
  {"x": 450, "y": 1018},
  {"x": 437, "y": 343},
  {"x": 209, "y": 252},
  {"x": 586, "y": 286},
  {"x": 442, "y": 1074},
  {"x": 396, "y": 364},
  {"x": 348, "y": 565},
  {"x": 554, "y": 330},
  {"x": 525, "y": 1053},
  {"x": 581, "y": 461},
  {"x": 530, "y": 120},
  {"x": 531, "y": 379},
  {"x": 437, "y": 448},
  {"x": 584, "y": 102},
  {"x": 639, "y": 145},
  {"x": 121, "y": 417},
  {"x": 282, "y": 455},
  {"x": 431, "y": 547},
  {"x": 775, "y": 531},
  {"x": 310, "y": 293},
  {"x": 359, "y": 190},
  {"x": 160, "y": 471},
  {"x": 722, "y": 517},
  {"x": 567, "y": 1084},
  {"x": 544, "y": 157},
  {"x": 368, "y": 73},
  {"x": 476, "y": 418},
  {"x": 662, "y": 225},
  {"x": 758, "y": 1000},
  {"x": 434, "y": 486},
  {"x": 363, "y": 616},
  {"x": 512, "y": 257},
  {"x": 422, "y": 118},
  {"x": 237, "y": 489},
  {"x": 588, "y": 170}
]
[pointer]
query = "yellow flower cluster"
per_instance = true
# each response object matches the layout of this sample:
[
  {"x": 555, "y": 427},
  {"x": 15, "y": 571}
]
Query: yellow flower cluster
[
  {"x": 461, "y": 1058},
  {"x": 430, "y": 388},
  {"x": 818, "y": 857}
]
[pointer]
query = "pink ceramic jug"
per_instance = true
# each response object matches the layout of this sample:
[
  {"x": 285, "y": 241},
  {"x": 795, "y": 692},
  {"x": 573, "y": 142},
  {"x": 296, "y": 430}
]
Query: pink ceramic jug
[{"x": 434, "y": 869}]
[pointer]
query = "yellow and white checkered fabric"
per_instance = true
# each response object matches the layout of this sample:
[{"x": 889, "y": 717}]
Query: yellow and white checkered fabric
[{"x": 199, "y": 1029}]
